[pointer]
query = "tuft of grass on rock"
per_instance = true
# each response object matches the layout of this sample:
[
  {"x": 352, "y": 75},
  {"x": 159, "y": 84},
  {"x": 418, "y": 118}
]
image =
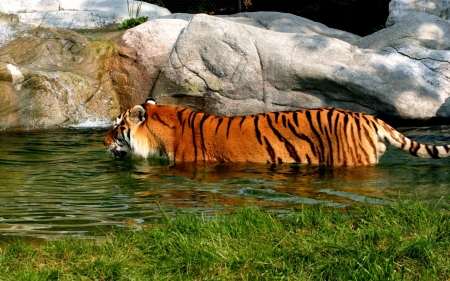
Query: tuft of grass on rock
[
  {"x": 134, "y": 19},
  {"x": 132, "y": 22}
]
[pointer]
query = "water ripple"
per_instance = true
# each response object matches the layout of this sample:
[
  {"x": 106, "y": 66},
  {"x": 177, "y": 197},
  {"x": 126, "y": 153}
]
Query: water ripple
[{"x": 57, "y": 183}]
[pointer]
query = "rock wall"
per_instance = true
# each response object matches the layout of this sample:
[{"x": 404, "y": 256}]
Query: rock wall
[
  {"x": 51, "y": 76},
  {"x": 239, "y": 64},
  {"x": 55, "y": 77}
]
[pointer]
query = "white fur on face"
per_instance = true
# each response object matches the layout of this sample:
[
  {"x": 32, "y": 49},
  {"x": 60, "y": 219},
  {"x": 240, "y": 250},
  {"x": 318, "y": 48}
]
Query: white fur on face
[{"x": 121, "y": 145}]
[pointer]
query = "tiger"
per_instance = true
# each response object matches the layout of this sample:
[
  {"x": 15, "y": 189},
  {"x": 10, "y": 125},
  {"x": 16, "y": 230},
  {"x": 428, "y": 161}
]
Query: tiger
[{"x": 322, "y": 136}]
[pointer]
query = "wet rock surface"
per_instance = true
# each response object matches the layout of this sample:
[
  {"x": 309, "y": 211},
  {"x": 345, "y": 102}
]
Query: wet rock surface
[{"x": 55, "y": 77}]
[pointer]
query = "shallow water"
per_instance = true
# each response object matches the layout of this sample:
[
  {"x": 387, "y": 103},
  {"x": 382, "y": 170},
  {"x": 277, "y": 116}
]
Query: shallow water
[{"x": 55, "y": 183}]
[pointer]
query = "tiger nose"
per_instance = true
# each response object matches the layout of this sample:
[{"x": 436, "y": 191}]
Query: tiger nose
[{"x": 120, "y": 153}]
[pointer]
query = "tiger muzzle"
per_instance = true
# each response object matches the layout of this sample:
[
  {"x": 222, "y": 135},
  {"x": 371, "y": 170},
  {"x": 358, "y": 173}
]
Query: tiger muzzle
[{"x": 118, "y": 153}]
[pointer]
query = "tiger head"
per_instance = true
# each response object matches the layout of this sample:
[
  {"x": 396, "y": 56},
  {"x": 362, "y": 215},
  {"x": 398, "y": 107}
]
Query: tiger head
[{"x": 132, "y": 132}]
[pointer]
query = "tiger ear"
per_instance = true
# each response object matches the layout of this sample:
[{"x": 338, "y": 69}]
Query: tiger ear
[
  {"x": 150, "y": 101},
  {"x": 137, "y": 114}
]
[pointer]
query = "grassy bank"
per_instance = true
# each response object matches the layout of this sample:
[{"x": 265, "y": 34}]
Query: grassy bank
[{"x": 405, "y": 241}]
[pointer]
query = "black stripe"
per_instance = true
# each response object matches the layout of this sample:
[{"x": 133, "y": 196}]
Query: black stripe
[
  {"x": 290, "y": 148},
  {"x": 284, "y": 120},
  {"x": 356, "y": 117},
  {"x": 329, "y": 117},
  {"x": 358, "y": 125},
  {"x": 319, "y": 121},
  {"x": 371, "y": 141},
  {"x": 193, "y": 113},
  {"x": 432, "y": 151},
  {"x": 447, "y": 148},
  {"x": 403, "y": 142},
  {"x": 258, "y": 133},
  {"x": 296, "y": 118},
  {"x": 218, "y": 124},
  {"x": 242, "y": 121},
  {"x": 337, "y": 135},
  {"x": 355, "y": 136},
  {"x": 275, "y": 131},
  {"x": 414, "y": 148},
  {"x": 361, "y": 128},
  {"x": 193, "y": 133},
  {"x": 328, "y": 132},
  {"x": 229, "y": 124},
  {"x": 277, "y": 114},
  {"x": 292, "y": 152},
  {"x": 205, "y": 116},
  {"x": 436, "y": 152},
  {"x": 308, "y": 159},
  {"x": 345, "y": 122},
  {"x": 303, "y": 137},
  {"x": 270, "y": 150},
  {"x": 363, "y": 148},
  {"x": 330, "y": 159},
  {"x": 372, "y": 125},
  {"x": 346, "y": 139},
  {"x": 179, "y": 114},
  {"x": 320, "y": 152}
]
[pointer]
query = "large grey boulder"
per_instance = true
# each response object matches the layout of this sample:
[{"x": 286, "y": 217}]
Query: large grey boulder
[
  {"x": 142, "y": 51},
  {"x": 226, "y": 67}
]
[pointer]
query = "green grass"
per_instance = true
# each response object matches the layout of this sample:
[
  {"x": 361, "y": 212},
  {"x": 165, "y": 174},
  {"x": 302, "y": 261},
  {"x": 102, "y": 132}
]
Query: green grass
[
  {"x": 404, "y": 241},
  {"x": 132, "y": 22},
  {"x": 134, "y": 19}
]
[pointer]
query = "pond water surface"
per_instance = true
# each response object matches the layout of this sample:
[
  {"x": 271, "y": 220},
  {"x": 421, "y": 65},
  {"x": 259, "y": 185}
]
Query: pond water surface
[{"x": 55, "y": 183}]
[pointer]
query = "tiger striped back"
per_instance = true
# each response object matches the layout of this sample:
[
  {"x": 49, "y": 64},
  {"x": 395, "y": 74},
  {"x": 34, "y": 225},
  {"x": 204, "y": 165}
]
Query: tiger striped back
[{"x": 327, "y": 136}]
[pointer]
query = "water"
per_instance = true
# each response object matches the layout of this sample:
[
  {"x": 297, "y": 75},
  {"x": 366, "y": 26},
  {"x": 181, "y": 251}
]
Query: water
[{"x": 57, "y": 183}]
